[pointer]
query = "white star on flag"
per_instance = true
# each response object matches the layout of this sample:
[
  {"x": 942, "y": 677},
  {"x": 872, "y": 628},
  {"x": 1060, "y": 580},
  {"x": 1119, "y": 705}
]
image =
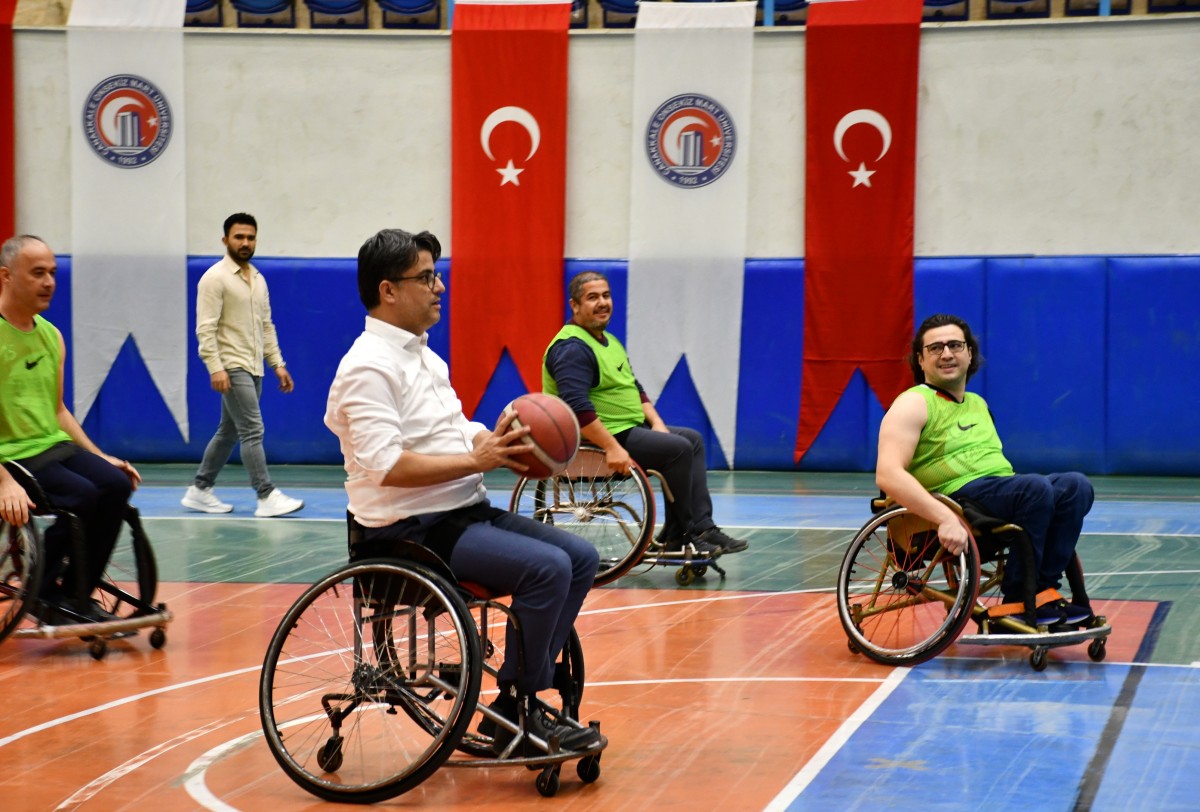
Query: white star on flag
[
  {"x": 862, "y": 175},
  {"x": 509, "y": 174}
]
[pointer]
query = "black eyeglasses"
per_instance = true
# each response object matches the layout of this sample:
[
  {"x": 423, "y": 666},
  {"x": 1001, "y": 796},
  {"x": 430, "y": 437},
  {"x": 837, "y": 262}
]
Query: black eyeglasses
[
  {"x": 429, "y": 278},
  {"x": 954, "y": 346}
]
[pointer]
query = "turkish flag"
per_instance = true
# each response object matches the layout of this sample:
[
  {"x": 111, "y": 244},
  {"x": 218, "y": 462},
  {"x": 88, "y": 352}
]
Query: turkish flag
[
  {"x": 861, "y": 96},
  {"x": 508, "y": 188}
]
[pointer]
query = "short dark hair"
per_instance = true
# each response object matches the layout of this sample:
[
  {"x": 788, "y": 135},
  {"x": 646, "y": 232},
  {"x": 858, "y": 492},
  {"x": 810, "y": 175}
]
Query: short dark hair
[
  {"x": 575, "y": 286},
  {"x": 241, "y": 218},
  {"x": 388, "y": 254},
  {"x": 942, "y": 320}
]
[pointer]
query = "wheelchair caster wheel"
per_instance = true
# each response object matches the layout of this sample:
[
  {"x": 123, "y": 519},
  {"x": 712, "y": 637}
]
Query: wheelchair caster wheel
[
  {"x": 853, "y": 648},
  {"x": 588, "y": 769},
  {"x": 701, "y": 570},
  {"x": 547, "y": 782},
  {"x": 98, "y": 648},
  {"x": 329, "y": 757},
  {"x": 1038, "y": 659},
  {"x": 684, "y": 575},
  {"x": 1097, "y": 649},
  {"x": 158, "y": 638}
]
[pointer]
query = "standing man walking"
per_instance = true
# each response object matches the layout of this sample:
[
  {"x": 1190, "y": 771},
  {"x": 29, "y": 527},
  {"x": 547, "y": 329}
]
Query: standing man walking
[{"x": 235, "y": 333}]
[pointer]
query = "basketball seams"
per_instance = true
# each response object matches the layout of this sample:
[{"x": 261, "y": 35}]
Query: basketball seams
[{"x": 551, "y": 450}]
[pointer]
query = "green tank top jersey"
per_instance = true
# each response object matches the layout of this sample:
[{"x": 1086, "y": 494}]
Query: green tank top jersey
[
  {"x": 617, "y": 399},
  {"x": 29, "y": 375},
  {"x": 959, "y": 443}
]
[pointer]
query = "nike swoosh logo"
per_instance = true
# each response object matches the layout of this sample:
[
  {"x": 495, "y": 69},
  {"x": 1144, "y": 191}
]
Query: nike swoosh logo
[
  {"x": 961, "y": 427},
  {"x": 34, "y": 362},
  {"x": 621, "y": 366}
]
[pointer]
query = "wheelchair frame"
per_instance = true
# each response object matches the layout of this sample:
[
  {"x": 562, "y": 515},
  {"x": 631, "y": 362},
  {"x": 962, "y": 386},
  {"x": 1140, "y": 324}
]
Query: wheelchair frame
[
  {"x": 903, "y": 599},
  {"x": 613, "y": 512},
  {"x": 392, "y": 652},
  {"x": 22, "y": 572}
]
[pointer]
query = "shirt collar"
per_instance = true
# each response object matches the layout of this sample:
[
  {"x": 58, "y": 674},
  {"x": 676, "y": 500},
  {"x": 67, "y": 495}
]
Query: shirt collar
[
  {"x": 396, "y": 335},
  {"x": 232, "y": 267}
]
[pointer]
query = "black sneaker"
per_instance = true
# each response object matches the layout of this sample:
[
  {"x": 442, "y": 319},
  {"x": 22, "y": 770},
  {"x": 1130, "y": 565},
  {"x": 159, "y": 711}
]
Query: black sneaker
[
  {"x": 691, "y": 547},
  {"x": 1073, "y": 614},
  {"x": 728, "y": 544},
  {"x": 538, "y": 723}
]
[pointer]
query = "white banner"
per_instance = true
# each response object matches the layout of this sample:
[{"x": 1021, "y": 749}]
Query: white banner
[
  {"x": 689, "y": 190},
  {"x": 128, "y": 201}
]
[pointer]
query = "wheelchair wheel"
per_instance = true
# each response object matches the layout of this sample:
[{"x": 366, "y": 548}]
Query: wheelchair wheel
[
  {"x": 613, "y": 512},
  {"x": 21, "y": 562},
  {"x": 130, "y": 580},
  {"x": 370, "y": 681},
  {"x": 902, "y": 599}
]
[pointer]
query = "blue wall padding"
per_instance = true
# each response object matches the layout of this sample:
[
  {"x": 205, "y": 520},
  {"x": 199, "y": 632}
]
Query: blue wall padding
[
  {"x": 1152, "y": 389},
  {"x": 1092, "y": 363}
]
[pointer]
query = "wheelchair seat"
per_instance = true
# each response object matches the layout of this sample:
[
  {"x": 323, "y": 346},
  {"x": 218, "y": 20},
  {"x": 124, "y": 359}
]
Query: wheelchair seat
[
  {"x": 372, "y": 682},
  {"x": 126, "y": 592},
  {"x": 903, "y": 599}
]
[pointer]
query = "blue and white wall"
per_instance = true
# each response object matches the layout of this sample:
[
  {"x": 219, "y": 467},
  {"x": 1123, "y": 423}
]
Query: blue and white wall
[{"x": 1058, "y": 192}]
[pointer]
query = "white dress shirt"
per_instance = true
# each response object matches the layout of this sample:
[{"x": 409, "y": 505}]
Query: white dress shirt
[
  {"x": 233, "y": 320},
  {"x": 392, "y": 394}
]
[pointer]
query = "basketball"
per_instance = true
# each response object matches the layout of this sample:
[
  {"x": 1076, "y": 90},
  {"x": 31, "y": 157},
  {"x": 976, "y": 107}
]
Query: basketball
[{"x": 553, "y": 432}]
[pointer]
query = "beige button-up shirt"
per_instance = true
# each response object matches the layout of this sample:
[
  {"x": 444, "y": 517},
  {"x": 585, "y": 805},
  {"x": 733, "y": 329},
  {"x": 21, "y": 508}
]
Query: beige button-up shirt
[{"x": 233, "y": 320}]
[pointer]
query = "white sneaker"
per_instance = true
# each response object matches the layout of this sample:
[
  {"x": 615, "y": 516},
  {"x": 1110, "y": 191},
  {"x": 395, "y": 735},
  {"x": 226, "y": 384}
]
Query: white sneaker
[
  {"x": 277, "y": 503},
  {"x": 204, "y": 500}
]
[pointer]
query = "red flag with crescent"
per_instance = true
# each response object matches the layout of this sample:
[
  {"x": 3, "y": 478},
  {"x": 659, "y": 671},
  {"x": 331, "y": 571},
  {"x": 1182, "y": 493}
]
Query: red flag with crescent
[
  {"x": 861, "y": 120},
  {"x": 508, "y": 188}
]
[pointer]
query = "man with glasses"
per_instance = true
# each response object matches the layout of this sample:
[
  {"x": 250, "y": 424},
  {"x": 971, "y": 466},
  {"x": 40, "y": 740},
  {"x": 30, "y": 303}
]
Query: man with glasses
[
  {"x": 415, "y": 466},
  {"x": 937, "y": 437},
  {"x": 588, "y": 368},
  {"x": 235, "y": 333}
]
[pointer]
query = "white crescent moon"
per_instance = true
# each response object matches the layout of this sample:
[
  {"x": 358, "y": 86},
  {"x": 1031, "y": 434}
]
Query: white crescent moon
[
  {"x": 517, "y": 115},
  {"x": 670, "y": 137},
  {"x": 863, "y": 116},
  {"x": 108, "y": 119}
]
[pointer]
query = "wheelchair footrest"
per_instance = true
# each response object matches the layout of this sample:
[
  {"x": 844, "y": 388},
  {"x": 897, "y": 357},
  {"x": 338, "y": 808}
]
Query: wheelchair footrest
[
  {"x": 109, "y": 628},
  {"x": 1100, "y": 629}
]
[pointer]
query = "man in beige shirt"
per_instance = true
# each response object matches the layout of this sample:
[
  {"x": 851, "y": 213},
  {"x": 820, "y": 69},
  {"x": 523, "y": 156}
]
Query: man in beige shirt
[{"x": 235, "y": 333}]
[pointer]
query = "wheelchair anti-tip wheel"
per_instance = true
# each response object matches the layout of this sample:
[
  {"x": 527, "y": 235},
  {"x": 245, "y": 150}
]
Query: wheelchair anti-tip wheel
[
  {"x": 370, "y": 681},
  {"x": 612, "y": 512},
  {"x": 902, "y": 598}
]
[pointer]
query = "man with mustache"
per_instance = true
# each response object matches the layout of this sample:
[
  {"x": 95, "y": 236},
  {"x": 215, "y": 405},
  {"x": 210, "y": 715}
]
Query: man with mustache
[
  {"x": 588, "y": 367},
  {"x": 235, "y": 333}
]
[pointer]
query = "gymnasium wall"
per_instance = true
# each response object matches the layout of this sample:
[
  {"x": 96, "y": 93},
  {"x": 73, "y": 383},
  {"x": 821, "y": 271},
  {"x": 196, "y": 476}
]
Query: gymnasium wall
[{"x": 1058, "y": 183}]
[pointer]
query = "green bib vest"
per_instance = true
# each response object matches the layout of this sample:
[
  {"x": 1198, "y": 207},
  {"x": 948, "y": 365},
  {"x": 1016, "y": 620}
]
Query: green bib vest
[
  {"x": 29, "y": 406},
  {"x": 617, "y": 399},
  {"x": 959, "y": 444}
]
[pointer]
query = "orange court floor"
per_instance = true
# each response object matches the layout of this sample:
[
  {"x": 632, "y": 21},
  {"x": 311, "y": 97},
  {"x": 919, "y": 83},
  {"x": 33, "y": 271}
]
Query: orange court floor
[{"x": 730, "y": 694}]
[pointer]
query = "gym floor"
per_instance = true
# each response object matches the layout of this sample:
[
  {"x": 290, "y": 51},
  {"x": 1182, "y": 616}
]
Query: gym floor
[{"x": 734, "y": 694}]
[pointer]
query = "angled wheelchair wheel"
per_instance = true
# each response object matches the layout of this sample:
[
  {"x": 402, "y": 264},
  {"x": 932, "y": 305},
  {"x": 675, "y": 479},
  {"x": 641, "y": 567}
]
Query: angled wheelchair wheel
[
  {"x": 130, "y": 580},
  {"x": 370, "y": 681},
  {"x": 21, "y": 562},
  {"x": 902, "y": 599},
  {"x": 613, "y": 512}
]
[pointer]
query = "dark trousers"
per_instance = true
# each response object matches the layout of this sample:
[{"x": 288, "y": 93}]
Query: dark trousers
[
  {"x": 96, "y": 492},
  {"x": 679, "y": 457},
  {"x": 1050, "y": 508}
]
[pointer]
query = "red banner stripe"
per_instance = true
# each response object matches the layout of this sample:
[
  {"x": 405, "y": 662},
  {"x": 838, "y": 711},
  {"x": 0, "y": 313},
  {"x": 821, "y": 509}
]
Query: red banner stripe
[
  {"x": 508, "y": 189},
  {"x": 861, "y": 120},
  {"x": 8, "y": 138}
]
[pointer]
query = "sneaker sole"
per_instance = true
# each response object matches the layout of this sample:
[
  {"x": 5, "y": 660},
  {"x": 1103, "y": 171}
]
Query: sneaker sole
[
  {"x": 206, "y": 508},
  {"x": 276, "y": 514}
]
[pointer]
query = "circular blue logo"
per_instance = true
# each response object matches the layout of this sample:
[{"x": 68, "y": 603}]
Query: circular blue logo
[
  {"x": 127, "y": 121},
  {"x": 690, "y": 140}
]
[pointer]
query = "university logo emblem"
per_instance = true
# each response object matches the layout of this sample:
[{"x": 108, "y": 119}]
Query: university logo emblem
[
  {"x": 126, "y": 121},
  {"x": 690, "y": 140}
]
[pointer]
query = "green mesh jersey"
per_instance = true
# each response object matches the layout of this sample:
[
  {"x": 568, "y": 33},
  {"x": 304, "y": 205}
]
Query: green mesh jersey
[
  {"x": 29, "y": 378},
  {"x": 959, "y": 443},
  {"x": 617, "y": 399}
]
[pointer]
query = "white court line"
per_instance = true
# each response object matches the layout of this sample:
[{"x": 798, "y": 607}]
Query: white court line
[{"x": 817, "y": 763}]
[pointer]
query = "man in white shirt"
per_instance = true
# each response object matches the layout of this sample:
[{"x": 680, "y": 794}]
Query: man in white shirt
[
  {"x": 415, "y": 466},
  {"x": 235, "y": 333}
]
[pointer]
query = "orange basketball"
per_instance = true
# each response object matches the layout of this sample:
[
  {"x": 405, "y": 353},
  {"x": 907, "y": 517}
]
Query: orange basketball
[{"x": 554, "y": 433}]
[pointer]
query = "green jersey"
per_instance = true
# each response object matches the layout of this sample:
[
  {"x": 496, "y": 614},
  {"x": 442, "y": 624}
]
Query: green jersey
[
  {"x": 617, "y": 399},
  {"x": 29, "y": 364},
  {"x": 959, "y": 443}
]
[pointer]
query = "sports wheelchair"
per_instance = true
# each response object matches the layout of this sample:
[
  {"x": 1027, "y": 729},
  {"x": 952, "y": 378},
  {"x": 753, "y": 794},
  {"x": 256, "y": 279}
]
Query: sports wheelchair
[
  {"x": 903, "y": 599},
  {"x": 373, "y": 679},
  {"x": 613, "y": 512},
  {"x": 26, "y": 569}
]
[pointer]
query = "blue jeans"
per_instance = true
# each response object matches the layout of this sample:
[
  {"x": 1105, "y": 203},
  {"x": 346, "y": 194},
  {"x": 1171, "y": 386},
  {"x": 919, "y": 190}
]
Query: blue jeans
[
  {"x": 679, "y": 457},
  {"x": 241, "y": 421},
  {"x": 547, "y": 571},
  {"x": 1050, "y": 508}
]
